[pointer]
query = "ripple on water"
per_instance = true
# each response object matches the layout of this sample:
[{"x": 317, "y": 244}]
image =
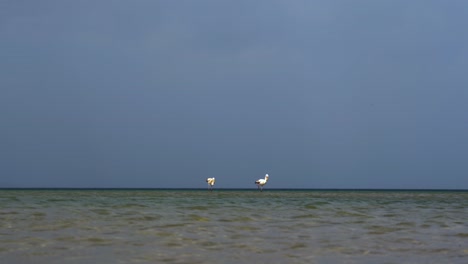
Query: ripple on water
[
  {"x": 408, "y": 240},
  {"x": 390, "y": 215},
  {"x": 52, "y": 226},
  {"x": 144, "y": 218},
  {"x": 9, "y": 213},
  {"x": 241, "y": 219},
  {"x": 425, "y": 226},
  {"x": 172, "y": 225},
  {"x": 311, "y": 206},
  {"x": 298, "y": 245},
  {"x": 343, "y": 213},
  {"x": 65, "y": 239},
  {"x": 406, "y": 224},
  {"x": 174, "y": 244},
  {"x": 197, "y": 207},
  {"x": 380, "y": 230},
  {"x": 129, "y": 205},
  {"x": 100, "y": 211},
  {"x": 38, "y": 214},
  {"x": 198, "y": 218},
  {"x": 248, "y": 228},
  {"x": 305, "y": 216},
  {"x": 319, "y": 203},
  {"x": 164, "y": 234},
  {"x": 98, "y": 241}
]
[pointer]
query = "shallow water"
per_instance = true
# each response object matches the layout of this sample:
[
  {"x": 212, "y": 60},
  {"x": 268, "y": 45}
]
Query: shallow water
[{"x": 233, "y": 226}]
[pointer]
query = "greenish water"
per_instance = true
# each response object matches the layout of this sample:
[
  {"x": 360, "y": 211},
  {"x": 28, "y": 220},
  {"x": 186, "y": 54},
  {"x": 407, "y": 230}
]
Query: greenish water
[{"x": 233, "y": 226}]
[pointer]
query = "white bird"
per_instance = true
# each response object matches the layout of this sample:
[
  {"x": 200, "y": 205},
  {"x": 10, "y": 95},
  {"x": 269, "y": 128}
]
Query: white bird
[
  {"x": 261, "y": 182},
  {"x": 211, "y": 182}
]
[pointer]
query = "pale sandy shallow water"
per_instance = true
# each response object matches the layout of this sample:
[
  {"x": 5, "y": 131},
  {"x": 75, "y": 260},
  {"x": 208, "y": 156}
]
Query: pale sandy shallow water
[{"x": 233, "y": 226}]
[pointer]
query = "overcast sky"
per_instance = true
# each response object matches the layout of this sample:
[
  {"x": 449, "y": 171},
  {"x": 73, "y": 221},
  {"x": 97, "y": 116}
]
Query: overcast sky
[{"x": 318, "y": 94}]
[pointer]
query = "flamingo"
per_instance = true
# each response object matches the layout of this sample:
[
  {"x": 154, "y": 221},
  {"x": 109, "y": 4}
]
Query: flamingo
[
  {"x": 211, "y": 182},
  {"x": 261, "y": 182}
]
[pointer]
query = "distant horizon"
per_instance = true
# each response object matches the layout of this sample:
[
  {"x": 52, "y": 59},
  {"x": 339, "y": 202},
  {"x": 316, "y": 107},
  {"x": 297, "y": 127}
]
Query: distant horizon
[{"x": 214, "y": 189}]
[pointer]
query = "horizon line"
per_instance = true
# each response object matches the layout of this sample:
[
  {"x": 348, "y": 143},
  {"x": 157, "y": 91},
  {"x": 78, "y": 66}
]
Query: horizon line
[{"x": 199, "y": 188}]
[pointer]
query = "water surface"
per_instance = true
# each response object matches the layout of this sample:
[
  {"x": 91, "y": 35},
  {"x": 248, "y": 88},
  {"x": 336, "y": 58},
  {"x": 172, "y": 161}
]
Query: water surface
[{"x": 233, "y": 226}]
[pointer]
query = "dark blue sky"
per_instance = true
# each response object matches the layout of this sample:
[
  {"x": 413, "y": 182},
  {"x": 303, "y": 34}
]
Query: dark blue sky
[{"x": 319, "y": 94}]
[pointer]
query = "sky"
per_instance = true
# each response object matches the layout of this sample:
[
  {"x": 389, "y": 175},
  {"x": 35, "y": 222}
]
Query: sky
[{"x": 163, "y": 94}]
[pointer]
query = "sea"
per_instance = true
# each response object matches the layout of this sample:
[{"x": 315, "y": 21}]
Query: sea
[{"x": 233, "y": 226}]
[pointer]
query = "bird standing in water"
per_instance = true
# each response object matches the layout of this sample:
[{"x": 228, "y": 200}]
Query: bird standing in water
[
  {"x": 261, "y": 182},
  {"x": 211, "y": 182}
]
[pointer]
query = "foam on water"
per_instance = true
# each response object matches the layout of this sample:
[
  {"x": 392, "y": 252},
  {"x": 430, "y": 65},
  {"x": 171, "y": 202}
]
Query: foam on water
[{"x": 233, "y": 226}]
